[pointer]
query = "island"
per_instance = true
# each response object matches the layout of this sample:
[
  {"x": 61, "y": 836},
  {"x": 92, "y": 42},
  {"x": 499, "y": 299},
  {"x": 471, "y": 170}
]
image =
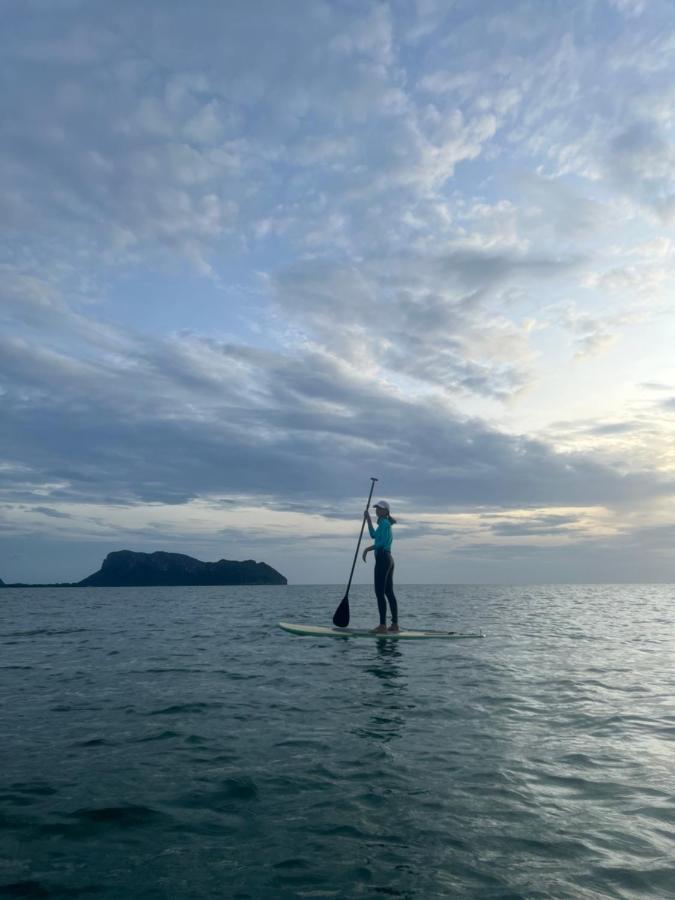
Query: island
[{"x": 127, "y": 568}]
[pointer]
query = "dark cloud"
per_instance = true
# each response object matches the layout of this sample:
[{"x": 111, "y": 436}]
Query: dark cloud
[
  {"x": 586, "y": 427},
  {"x": 264, "y": 424},
  {"x": 52, "y": 513},
  {"x": 655, "y": 386},
  {"x": 614, "y": 428},
  {"x": 552, "y": 524}
]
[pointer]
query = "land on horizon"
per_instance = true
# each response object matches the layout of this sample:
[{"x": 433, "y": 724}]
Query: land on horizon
[{"x": 128, "y": 568}]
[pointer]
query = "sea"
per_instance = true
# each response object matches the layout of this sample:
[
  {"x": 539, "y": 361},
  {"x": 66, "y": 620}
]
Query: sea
[{"x": 175, "y": 743}]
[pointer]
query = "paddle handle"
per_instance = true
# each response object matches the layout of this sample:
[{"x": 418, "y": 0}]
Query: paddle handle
[{"x": 363, "y": 525}]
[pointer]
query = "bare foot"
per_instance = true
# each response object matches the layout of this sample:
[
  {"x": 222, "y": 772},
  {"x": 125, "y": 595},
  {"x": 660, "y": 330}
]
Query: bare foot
[
  {"x": 381, "y": 629},
  {"x": 393, "y": 627}
]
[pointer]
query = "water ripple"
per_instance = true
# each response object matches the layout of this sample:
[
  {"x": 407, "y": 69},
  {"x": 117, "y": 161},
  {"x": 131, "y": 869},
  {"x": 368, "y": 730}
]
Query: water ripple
[{"x": 173, "y": 742}]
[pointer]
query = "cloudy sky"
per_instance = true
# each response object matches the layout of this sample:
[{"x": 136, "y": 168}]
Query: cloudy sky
[{"x": 256, "y": 252}]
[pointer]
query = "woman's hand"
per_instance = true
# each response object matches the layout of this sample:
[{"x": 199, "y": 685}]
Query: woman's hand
[{"x": 365, "y": 553}]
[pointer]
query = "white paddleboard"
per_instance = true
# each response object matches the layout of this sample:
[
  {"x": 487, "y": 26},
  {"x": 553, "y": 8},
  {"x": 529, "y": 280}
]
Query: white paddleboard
[{"x": 332, "y": 631}]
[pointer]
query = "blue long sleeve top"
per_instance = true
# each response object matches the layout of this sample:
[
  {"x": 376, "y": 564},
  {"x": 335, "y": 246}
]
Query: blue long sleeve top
[{"x": 382, "y": 534}]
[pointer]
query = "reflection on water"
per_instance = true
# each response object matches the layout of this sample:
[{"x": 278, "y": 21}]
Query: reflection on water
[
  {"x": 388, "y": 654},
  {"x": 386, "y": 695}
]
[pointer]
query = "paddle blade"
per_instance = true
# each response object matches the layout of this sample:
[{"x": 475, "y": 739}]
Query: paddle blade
[{"x": 341, "y": 617}]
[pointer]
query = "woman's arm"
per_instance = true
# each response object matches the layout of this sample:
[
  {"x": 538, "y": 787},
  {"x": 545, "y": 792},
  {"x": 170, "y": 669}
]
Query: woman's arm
[
  {"x": 366, "y": 552},
  {"x": 382, "y": 535},
  {"x": 370, "y": 524}
]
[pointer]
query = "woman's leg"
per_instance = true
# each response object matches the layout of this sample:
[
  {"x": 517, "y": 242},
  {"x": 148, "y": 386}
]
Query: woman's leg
[
  {"x": 381, "y": 571},
  {"x": 389, "y": 593}
]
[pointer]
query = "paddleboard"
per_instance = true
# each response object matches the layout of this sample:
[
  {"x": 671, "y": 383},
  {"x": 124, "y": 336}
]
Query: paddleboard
[{"x": 329, "y": 631}]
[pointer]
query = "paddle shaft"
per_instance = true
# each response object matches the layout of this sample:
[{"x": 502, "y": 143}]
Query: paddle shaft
[{"x": 363, "y": 525}]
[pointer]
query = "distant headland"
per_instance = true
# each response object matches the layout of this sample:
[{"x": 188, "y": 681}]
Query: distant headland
[{"x": 126, "y": 568}]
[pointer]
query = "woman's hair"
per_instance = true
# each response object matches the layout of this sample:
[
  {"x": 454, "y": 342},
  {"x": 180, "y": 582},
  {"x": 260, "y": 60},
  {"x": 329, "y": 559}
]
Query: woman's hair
[{"x": 391, "y": 519}]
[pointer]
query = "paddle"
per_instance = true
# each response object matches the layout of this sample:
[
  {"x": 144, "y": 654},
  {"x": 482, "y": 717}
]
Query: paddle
[{"x": 341, "y": 617}]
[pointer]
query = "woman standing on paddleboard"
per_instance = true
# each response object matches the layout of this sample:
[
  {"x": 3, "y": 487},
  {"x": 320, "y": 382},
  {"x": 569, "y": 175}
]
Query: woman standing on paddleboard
[{"x": 384, "y": 565}]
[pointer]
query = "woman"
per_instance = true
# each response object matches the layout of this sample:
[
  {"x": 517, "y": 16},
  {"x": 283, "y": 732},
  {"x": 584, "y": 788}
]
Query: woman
[{"x": 384, "y": 566}]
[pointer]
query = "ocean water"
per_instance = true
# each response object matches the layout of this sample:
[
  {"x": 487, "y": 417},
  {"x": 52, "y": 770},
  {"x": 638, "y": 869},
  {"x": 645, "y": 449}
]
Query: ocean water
[{"x": 174, "y": 743}]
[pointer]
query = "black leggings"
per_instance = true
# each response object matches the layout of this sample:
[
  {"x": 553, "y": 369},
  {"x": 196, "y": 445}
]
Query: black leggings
[{"x": 384, "y": 585}]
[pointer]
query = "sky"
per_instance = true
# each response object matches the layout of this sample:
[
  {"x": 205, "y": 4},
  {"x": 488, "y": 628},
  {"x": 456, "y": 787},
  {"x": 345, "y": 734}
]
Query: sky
[{"x": 254, "y": 253}]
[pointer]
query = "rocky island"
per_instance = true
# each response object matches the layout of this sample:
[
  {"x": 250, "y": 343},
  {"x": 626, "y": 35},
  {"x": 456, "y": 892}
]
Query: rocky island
[{"x": 126, "y": 568}]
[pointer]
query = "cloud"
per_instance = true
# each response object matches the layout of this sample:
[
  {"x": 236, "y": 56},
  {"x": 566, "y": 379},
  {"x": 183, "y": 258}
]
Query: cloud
[
  {"x": 613, "y": 428},
  {"x": 655, "y": 386},
  {"x": 191, "y": 150},
  {"x": 180, "y": 419},
  {"x": 631, "y": 8},
  {"x": 239, "y": 248},
  {"x": 641, "y": 161},
  {"x": 434, "y": 317},
  {"x": 51, "y": 513},
  {"x": 594, "y": 334},
  {"x": 551, "y": 524}
]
